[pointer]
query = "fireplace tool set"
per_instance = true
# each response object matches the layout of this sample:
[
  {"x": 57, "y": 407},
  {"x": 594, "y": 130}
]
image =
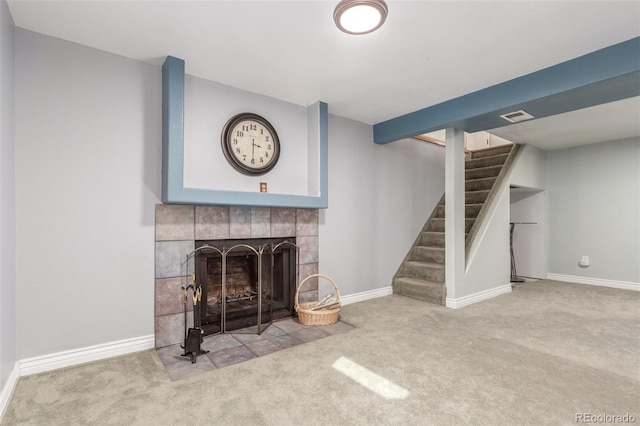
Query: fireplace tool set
[{"x": 193, "y": 336}]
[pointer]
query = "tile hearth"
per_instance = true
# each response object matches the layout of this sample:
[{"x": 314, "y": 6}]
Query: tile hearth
[{"x": 243, "y": 345}]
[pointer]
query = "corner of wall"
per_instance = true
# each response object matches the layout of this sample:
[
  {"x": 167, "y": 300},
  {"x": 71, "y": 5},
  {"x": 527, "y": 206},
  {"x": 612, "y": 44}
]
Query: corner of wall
[
  {"x": 7, "y": 200},
  {"x": 7, "y": 390}
]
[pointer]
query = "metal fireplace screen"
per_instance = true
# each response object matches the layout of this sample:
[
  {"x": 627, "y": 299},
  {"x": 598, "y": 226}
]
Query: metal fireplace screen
[{"x": 245, "y": 282}]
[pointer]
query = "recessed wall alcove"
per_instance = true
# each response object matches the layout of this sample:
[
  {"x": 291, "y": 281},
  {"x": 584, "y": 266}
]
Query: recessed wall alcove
[{"x": 178, "y": 227}]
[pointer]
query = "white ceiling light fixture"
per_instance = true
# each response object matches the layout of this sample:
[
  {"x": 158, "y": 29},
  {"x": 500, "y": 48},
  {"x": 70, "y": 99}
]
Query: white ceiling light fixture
[{"x": 360, "y": 16}]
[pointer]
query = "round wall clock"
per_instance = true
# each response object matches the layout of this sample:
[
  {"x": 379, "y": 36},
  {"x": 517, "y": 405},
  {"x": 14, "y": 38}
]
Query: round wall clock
[{"x": 250, "y": 144}]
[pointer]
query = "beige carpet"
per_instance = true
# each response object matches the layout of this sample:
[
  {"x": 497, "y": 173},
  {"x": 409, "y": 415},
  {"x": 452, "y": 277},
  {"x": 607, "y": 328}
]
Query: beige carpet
[{"x": 542, "y": 354}]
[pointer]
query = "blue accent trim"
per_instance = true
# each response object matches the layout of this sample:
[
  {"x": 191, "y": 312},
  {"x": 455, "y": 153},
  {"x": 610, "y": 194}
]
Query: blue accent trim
[
  {"x": 251, "y": 199},
  {"x": 172, "y": 127},
  {"x": 173, "y": 190},
  {"x": 323, "y": 122},
  {"x": 606, "y": 75}
]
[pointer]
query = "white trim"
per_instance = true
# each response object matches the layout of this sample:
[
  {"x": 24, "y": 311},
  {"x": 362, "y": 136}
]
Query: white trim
[
  {"x": 54, "y": 361},
  {"x": 7, "y": 389},
  {"x": 478, "y": 297},
  {"x": 366, "y": 295},
  {"x": 625, "y": 285}
]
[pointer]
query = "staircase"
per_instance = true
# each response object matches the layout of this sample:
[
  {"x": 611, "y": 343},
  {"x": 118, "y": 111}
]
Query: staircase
[{"x": 421, "y": 274}]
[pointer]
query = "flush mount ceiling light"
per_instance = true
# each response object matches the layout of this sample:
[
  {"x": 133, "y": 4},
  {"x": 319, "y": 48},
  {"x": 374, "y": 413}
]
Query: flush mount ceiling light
[{"x": 360, "y": 16}]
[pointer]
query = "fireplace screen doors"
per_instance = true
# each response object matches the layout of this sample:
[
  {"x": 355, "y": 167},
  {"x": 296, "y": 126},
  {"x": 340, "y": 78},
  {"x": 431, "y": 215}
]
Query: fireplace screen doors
[{"x": 242, "y": 284}]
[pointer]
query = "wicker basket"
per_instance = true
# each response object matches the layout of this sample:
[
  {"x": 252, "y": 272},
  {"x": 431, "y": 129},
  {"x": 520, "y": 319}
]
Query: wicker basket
[{"x": 320, "y": 317}]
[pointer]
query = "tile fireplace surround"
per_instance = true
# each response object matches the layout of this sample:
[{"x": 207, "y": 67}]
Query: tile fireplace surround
[{"x": 177, "y": 228}]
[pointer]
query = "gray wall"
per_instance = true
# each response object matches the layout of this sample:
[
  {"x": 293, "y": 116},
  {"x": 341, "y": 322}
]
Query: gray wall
[
  {"x": 208, "y": 106},
  {"x": 7, "y": 198},
  {"x": 88, "y": 131},
  {"x": 530, "y": 168},
  {"x": 594, "y": 210},
  {"x": 88, "y": 159},
  {"x": 380, "y": 196}
]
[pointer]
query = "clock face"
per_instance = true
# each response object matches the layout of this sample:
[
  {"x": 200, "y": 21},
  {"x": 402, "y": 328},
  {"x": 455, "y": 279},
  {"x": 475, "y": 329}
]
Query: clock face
[{"x": 250, "y": 144}]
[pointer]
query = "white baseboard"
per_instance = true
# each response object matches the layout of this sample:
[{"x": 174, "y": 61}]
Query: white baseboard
[
  {"x": 7, "y": 389},
  {"x": 478, "y": 297},
  {"x": 83, "y": 355},
  {"x": 107, "y": 350},
  {"x": 625, "y": 285},
  {"x": 366, "y": 295}
]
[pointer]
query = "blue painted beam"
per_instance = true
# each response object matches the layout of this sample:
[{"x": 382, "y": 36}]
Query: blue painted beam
[{"x": 606, "y": 75}]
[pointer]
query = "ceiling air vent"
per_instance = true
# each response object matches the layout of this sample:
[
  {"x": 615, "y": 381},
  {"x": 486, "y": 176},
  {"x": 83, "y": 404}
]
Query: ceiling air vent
[{"x": 517, "y": 116}]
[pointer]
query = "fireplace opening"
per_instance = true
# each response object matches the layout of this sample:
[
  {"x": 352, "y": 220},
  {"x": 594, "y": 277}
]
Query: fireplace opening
[{"x": 278, "y": 272}]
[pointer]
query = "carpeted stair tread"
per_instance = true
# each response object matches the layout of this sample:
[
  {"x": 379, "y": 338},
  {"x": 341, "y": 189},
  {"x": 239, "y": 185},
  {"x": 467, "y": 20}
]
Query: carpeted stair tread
[
  {"x": 494, "y": 160},
  {"x": 470, "y": 210},
  {"x": 428, "y": 271},
  {"x": 437, "y": 224},
  {"x": 488, "y": 152},
  {"x": 427, "y": 291},
  {"x": 417, "y": 281},
  {"x": 475, "y": 197},
  {"x": 427, "y": 264},
  {"x": 431, "y": 238},
  {"x": 479, "y": 184},
  {"x": 484, "y": 172},
  {"x": 428, "y": 254},
  {"x": 470, "y": 197}
]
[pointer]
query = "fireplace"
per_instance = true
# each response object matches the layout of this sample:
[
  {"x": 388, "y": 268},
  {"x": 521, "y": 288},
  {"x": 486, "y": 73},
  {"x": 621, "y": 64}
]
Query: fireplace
[
  {"x": 179, "y": 229},
  {"x": 245, "y": 262}
]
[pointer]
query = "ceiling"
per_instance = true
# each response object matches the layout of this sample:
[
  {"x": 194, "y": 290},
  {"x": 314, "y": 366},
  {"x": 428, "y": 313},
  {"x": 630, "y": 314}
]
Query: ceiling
[
  {"x": 426, "y": 53},
  {"x": 607, "y": 122}
]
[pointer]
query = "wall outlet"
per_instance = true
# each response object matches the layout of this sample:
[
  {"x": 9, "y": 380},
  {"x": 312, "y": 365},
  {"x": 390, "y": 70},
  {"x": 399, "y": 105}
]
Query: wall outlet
[
  {"x": 263, "y": 186},
  {"x": 584, "y": 261}
]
